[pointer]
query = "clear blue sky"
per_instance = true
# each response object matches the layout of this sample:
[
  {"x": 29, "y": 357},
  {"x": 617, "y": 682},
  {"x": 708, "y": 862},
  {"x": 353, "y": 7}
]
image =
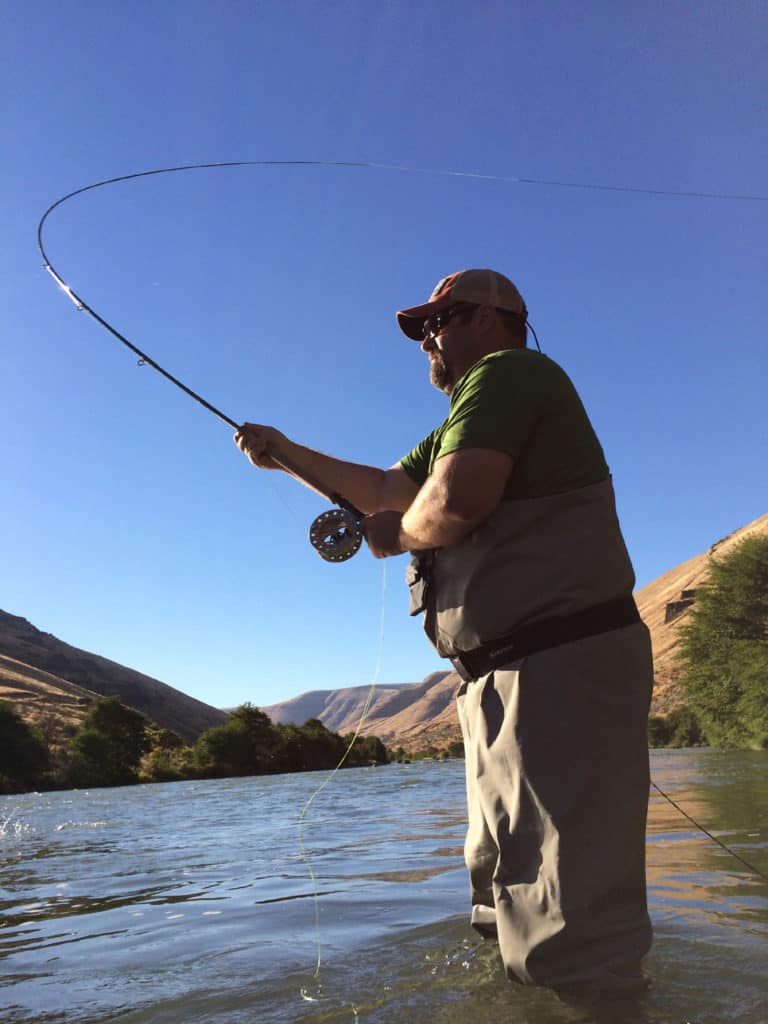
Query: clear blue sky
[{"x": 130, "y": 524}]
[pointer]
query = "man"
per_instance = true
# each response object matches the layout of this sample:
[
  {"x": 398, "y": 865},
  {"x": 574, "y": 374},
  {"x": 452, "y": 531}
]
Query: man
[{"x": 521, "y": 572}]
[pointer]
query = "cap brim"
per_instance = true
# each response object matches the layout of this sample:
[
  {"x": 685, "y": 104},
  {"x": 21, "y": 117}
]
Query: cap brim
[{"x": 411, "y": 321}]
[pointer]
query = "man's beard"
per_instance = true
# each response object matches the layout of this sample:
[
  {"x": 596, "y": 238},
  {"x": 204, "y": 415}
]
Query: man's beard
[{"x": 439, "y": 375}]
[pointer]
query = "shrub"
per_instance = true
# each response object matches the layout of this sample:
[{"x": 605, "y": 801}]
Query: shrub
[
  {"x": 724, "y": 649},
  {"x": 107, "y": 748},
  {"x": 23, "y": 752}
]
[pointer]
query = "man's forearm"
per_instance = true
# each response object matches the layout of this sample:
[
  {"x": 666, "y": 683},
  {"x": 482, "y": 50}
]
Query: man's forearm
[
  {"x": 429, "y": 523},
  {"x": 361, "y": 485}
]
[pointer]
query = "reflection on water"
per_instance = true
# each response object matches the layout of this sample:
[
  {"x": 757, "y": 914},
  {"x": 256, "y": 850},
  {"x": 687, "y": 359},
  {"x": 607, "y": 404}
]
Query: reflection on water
[{"x": 191, "y": 902}]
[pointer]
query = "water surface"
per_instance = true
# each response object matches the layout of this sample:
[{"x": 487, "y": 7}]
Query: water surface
[{"x": 192, "y": 902}]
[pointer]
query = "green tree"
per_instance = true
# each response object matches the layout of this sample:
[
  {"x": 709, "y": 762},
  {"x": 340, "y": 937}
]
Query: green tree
[
  {"x": 680, "y": 728},
  {"x": 657, "y": 731},
  {"x": 169, "y": 760},
  {"x": 365, "y": 750},
  {"x": 166, "y": 739},
  {"x": 684, "y": 729},
  {"x": 724, "y": 649},
  {"x": 23, "y": 752},
  {"x": 247, "y": 744},
  {"x": 107, "y": 748},
  {"x": 320, "y": 747}
]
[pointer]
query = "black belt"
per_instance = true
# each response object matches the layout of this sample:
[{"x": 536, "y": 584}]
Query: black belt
[{"x": 540, "y": 636}]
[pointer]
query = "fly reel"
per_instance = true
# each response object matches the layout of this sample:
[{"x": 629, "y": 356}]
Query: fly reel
[{"x": 336, "y": 535}]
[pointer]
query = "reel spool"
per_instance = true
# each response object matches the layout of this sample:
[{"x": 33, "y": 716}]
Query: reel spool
[{"x": 336, "y": 535}]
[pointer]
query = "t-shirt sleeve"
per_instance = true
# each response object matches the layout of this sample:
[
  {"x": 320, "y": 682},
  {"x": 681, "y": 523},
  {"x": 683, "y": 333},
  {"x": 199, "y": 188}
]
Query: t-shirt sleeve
[
  {"x": 417, "y": 463},
  {"x": 498, "y": 406}
]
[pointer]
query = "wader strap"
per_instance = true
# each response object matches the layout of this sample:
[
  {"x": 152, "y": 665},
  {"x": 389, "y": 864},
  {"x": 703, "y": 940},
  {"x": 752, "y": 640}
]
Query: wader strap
[{"x": 540, "y": 636}]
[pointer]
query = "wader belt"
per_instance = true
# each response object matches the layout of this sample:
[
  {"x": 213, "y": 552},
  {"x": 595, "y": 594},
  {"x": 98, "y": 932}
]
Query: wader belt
[{"x": 540, "y": 636}]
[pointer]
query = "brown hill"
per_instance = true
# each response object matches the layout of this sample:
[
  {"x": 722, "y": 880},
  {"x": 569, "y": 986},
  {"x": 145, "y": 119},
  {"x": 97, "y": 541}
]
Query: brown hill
[
  {"x": 42, "y": 699},
  {"x": 420, "y": 715},
  {"x": 43, "y": 676},
  {"x": 409, "y": 715},
  {"x": 338, "y": 710},
  {"x": 423, "y": 716}
]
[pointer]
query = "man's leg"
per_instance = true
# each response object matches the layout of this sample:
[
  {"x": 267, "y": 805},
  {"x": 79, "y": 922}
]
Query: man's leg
[
  {"x": 558, "y": 786},
  {"x": 481, "y": 854}
]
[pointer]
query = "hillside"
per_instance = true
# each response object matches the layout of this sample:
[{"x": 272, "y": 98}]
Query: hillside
[
  {"x": 411, "y": 715},
  {"x": 42, "y": 676},
  {"x": 42, "y": 699},
  {"x": 338, "y": 710}
]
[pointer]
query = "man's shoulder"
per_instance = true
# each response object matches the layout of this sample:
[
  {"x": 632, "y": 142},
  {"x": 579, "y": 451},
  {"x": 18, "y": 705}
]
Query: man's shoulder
[
  {"x": 511, "y": 365},
  {"x": 519, "y": 358}
]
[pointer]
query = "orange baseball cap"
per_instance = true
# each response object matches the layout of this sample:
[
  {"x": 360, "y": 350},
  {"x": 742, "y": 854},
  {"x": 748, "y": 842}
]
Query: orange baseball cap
[{"x": 481, "y": 287}]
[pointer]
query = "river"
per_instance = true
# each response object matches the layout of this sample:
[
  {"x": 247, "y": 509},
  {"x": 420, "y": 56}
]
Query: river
[{"x": 199, "y": 902}]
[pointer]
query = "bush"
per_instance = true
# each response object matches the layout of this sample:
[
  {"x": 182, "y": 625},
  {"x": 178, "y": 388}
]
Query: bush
[
  {"x": 724, "y": 649},
  {"x": 366, "y": 750},
  {"x": 679, "y": 729},
  {"x": 247, "y": 744},
  {"x": 107, "y": 748},
  {"x": 23, "y": 753}
]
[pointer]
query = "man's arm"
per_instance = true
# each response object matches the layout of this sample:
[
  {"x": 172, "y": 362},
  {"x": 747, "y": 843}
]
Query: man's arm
[
  {"x": 462, "y": 491},
  {"x": 368, "y": 488}
]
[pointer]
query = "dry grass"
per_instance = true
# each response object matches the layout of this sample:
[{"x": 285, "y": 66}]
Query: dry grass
[{"x": 42, "y": 699}]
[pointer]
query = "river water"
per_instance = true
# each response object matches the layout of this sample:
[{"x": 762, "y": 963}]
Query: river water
[{"x": 193, "y": 902}]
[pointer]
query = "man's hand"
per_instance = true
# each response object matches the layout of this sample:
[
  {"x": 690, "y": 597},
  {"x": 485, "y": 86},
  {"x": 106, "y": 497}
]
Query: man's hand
[
  {"x": 256, "y": 442},
  {"x": 382, "y": 532}
]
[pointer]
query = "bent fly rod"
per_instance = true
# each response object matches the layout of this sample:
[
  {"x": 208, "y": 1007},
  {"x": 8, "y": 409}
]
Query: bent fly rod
[{"x": 337, "y": 534}]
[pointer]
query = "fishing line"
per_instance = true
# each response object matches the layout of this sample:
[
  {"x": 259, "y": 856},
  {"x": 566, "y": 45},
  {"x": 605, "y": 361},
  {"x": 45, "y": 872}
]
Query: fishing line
[
  {"x": 714, "y": 839},
  {"x": 305, "y": 810}
]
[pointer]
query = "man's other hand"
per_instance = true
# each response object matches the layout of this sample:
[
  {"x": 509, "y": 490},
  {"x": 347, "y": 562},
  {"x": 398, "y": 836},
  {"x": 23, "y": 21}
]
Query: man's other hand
[{"x": 382, "y": 533}]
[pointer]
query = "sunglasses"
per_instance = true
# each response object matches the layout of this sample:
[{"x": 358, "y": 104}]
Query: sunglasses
[{"x": 436, "y": 323}]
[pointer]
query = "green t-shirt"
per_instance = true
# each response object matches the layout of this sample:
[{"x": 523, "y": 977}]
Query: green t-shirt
[{"x": 519, "y": 402}]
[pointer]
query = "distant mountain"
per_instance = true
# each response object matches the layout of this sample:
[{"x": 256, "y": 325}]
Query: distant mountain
[
  {"x": 37, "y": 673},
  {"x": 411, "y": 715},
  {"x": 338, "y": 710}
]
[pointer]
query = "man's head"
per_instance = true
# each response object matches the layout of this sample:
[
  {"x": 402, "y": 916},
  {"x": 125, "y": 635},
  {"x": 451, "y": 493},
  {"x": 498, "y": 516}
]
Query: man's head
[{"x": 469, "y": 315}]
